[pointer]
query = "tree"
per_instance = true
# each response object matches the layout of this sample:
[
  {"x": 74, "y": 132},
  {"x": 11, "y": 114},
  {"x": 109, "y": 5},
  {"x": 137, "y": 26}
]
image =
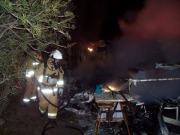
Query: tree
[{"x": 29, "y": 26}]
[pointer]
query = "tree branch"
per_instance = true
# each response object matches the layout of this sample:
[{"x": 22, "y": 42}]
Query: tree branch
[
  {"x": 4, "y": 80},
  {"x": 10, "y": 27}
]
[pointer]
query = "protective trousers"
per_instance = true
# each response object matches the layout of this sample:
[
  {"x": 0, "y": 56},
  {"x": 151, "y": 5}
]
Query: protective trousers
[
  {"x": 44, "y": 105},
  {"x": 30, "y": 92}
]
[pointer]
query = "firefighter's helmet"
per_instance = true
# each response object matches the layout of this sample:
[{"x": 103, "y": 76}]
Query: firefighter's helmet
[{"x": 56, "y": 55}]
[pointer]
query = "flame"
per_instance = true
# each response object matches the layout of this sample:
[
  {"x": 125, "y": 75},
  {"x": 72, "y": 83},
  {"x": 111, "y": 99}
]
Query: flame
[
  {"x": 90, "y": 49},
  {"x": 112, "y": 88},
  {"x": 109, "y": 88}
]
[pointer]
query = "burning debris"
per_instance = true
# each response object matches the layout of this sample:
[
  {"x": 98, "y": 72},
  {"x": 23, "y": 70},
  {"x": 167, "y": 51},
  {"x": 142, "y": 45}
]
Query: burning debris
[
  {"x": 80, "y": 103},
  {"x": 149, "y": 105}
]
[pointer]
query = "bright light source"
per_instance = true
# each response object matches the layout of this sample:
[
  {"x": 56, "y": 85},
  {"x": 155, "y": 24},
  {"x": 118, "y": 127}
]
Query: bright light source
[
  {"x": 41, "y": 79},
  {"x": 90, "y": 49},
  {"x": 33, "y": 98},
  {"x": 35, "y": 63},
  {"x": 29, "y": 73},
  {"x": 60, "y": 82},
  {"x": 112, "y": 88},
  {"x": 26, "y": 100},
  {"x": 106, "y": 90}
]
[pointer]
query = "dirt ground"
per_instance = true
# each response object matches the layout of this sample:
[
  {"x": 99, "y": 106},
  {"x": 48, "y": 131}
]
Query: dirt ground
[
  {"x": 26, "y": 120},
  {"x": 23, "y": 119}
]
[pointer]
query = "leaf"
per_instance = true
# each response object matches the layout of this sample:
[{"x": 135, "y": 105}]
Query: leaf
[
  {"x": 55, "y": 7},
  {"x": 7, "y": 5},
  {"x": 24, "y": 19},
  {"x": 37, "y": 29},
  {"x": 68, "y": 14}
]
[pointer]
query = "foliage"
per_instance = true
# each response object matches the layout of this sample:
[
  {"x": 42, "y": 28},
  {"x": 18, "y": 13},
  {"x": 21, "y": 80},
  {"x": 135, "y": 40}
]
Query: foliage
[
  {"x": 3, "y": 130},
  {"x": 29, "y": 26}
]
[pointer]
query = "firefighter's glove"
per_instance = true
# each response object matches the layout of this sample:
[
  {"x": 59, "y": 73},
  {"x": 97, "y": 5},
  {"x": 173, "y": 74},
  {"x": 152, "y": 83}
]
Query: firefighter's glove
[{"x": 60, "y": 91}]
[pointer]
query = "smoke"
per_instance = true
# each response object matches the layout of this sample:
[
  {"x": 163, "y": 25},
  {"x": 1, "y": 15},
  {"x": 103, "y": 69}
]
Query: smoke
[
  {"x": 129, "y": 53},
  {"x": 155, "y": 91},
  {"x": 149, "y": 37},
  {"x": 154, "y": 36},
  {"x": 92, "y": 72},
  {"x": 84, "y": 71},
  {"x": 160, "y": 19}
]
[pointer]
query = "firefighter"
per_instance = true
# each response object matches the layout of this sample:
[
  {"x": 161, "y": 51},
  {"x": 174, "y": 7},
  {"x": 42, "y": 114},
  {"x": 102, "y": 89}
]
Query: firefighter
[
  {"x": 50, "y": 78},
  {"x": 30, "y": 85}
]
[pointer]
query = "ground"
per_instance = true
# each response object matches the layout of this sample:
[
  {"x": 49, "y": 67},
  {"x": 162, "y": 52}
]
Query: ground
[
  {"x": 26, "y": 120},
  {"x": 23, "y": 119}
]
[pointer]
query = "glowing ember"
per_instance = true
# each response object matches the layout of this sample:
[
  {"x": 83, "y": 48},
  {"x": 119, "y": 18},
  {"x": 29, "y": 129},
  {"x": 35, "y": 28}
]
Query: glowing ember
[{"x": 90, "y": 49}]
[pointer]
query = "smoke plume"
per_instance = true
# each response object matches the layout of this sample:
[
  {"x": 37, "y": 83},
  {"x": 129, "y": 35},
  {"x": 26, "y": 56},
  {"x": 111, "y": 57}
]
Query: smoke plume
[
  {"x": 160, "y": 19},
  {"x": 153, "y": 37}
]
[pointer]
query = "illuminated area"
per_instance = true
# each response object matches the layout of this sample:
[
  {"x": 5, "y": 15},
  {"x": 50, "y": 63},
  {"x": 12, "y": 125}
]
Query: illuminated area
[
  {"x": 112, "y": 88},
  {"x": 106, "y": 90},
  {"x": 90, "y": 49},
  {"x": 60, "y": 82},
  {"x": 29, "y": 73}
]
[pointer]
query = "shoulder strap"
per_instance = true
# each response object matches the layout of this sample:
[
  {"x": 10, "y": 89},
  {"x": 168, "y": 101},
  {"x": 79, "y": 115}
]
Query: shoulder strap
[
  {"x": 61, "y": 70},
  {"x": 45, "y": 66}
]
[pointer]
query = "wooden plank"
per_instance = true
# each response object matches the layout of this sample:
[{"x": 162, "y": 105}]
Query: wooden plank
[{"x": 107, "y": 97}]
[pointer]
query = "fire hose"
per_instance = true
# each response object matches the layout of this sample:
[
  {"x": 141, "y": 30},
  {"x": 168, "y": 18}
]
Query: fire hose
[
  {"x": 54, "y": 124},
  {"x": 57, "y": 106}
]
